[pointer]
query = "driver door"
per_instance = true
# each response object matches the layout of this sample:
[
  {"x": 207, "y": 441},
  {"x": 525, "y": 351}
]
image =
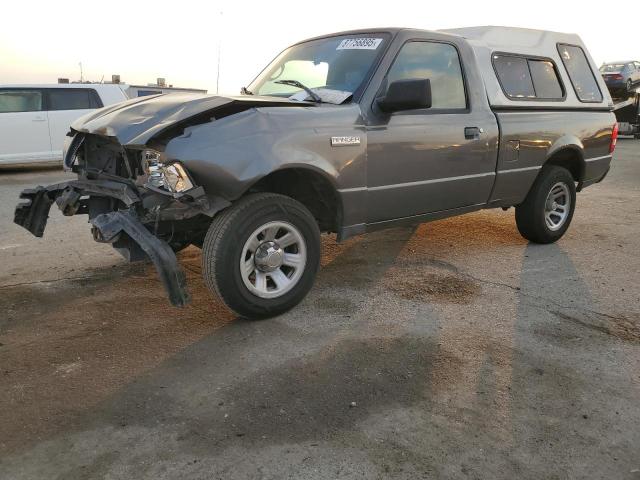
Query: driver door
[{"x": 435, "y": 159}]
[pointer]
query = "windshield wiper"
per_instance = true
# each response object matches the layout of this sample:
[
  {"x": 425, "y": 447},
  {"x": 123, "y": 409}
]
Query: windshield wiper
[
  {"x": 294, "y": 83},
  {"x": 245, "y": 91}
]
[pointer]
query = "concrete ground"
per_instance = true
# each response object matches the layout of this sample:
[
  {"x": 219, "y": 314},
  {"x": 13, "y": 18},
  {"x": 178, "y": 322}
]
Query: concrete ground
[{"x": 452, "y": 350}]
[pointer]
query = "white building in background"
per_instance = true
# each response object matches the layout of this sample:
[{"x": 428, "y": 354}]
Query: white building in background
[{"x": 160, "y": 86}]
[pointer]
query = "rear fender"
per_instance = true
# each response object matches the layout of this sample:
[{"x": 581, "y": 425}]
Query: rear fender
[{"x": 568, "y": 152}]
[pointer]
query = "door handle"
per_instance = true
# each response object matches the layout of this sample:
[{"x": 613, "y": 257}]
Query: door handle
[
  {"x": 471, "y": 133},
  {"x": 39, "y": 119}
]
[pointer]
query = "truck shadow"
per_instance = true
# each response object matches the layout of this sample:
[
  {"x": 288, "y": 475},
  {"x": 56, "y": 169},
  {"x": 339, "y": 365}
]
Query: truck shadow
[
  {"x": 108, "y": 327},
  {"x": 554, "y": 373}
]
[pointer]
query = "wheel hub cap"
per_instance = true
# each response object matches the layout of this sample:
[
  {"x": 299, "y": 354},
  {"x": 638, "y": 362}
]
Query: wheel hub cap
[
  {"x": 557, "y": 206},
  {"x": 269, "y": 256},
  {"x": 273, "y": 259}
]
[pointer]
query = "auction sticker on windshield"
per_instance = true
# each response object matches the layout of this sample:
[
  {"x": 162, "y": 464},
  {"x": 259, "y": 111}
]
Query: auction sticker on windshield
[{"x": 359, "y": 44}]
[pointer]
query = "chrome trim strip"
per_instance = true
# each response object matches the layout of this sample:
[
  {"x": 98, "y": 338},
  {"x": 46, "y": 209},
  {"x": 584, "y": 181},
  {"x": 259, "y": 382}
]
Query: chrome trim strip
[
  {"x": 351, "y": 190},
  {"x": 597, "y": 158},
  {"x": 452, "y": 179},
  {"x": 524, "y": 169},
  {"x": 435, "y": 180}
]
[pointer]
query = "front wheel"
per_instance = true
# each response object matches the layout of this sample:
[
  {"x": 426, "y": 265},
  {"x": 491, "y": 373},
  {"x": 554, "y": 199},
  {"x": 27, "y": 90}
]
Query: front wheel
[
  {"x": 546, "y": 213},
  {"x": 261, "y": 255}
]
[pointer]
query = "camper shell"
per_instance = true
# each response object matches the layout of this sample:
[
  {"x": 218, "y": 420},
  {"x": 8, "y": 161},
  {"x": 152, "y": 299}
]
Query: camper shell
[{"x": 541, "y": 44}]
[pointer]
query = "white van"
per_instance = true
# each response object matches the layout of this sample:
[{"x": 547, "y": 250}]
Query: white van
[{"x": 34, "y": 119}]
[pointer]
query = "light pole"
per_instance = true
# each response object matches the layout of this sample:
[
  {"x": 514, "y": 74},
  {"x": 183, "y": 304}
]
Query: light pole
[{"x": 219, "y": 50}]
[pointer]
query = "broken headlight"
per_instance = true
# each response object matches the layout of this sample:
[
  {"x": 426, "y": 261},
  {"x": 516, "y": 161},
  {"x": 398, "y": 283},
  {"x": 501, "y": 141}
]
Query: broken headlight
[
  {"x": 170, "y": 176},
  {"x": 176, "y": 178}
]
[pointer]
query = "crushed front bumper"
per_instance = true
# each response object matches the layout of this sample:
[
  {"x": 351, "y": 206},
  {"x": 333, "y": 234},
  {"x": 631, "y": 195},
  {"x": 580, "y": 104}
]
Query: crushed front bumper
[
  {"x": 110, "y": 225},
  {"x": 33, "y": 213}
]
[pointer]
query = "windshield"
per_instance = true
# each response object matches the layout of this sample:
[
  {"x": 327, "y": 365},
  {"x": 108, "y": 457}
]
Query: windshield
[
  {"x": 334, "y": 68},
  {"x": 612, "y": 67}
]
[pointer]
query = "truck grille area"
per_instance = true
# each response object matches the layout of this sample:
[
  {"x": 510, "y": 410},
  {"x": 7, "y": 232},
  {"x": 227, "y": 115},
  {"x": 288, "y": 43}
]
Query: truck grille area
[{"x": 92, "y": 156}]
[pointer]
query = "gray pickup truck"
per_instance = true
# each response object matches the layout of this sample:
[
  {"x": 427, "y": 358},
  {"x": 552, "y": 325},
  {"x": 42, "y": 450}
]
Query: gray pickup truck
[{"x": 347, "y": 133}]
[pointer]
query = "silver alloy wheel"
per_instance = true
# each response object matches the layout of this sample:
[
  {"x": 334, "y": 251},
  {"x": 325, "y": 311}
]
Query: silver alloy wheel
[
  {"x": 273, "y": 259},
  {"x": 557, "y": 206}
]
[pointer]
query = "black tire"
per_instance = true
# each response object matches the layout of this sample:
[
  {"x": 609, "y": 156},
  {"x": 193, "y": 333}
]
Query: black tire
[
  {"x": 223, "y": 246},
  {"x": 629, "y": 85},
  {"x": 530, "y": 214}
]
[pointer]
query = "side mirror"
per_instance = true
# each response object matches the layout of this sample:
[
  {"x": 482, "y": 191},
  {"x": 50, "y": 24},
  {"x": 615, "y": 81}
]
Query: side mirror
[{"x": 410, "y": 94}]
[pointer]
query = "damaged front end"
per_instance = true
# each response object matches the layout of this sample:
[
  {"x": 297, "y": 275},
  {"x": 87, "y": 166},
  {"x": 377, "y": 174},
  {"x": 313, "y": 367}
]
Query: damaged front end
[{"x": 140, "y": 203}]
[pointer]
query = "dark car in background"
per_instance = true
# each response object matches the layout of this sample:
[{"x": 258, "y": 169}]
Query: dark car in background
[{"x": 621, "y": 75}]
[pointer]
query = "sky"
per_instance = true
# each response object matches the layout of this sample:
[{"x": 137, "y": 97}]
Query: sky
[{"x": 180, "y": 41}]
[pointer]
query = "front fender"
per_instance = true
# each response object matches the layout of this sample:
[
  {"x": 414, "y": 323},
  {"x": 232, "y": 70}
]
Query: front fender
[{"x": 228, "y": 155}]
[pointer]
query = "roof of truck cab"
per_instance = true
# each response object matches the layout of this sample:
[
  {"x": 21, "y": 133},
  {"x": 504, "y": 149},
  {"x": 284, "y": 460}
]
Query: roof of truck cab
[
  {"x": 489, "y": 35},
  {"x": 391, "y": 30}
]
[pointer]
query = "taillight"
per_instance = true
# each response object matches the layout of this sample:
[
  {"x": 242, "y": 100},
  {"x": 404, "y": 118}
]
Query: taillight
[
  {"x": 614, "y": 138},
  {"x": 617, "y": 76}
]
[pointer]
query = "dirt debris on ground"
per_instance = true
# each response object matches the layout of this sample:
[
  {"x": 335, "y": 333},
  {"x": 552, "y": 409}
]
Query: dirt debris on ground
[{"x": 432, "y": 287}]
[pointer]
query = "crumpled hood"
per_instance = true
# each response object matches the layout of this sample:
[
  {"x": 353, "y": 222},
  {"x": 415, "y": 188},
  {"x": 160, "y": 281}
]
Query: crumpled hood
[{"x": 136, "y": 121}]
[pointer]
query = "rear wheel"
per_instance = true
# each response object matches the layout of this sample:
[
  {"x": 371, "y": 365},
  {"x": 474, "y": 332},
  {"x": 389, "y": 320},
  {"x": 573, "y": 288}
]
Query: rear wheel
[
  {"x": 546, "y": 213},
  {"x": 261, "y": 255},
  {"x": 629, "y": 85}
]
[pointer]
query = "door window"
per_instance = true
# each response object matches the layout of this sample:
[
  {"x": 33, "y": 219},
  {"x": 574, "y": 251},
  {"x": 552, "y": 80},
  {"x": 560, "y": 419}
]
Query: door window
[
  {"x": 438, "y": 62},
  {"x": 73, "y": 99},
  {"x": 20, "y": 100}
]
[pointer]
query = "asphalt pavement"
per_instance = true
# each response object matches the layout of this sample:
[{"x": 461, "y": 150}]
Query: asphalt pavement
[{"x": 454, "y": 349}]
